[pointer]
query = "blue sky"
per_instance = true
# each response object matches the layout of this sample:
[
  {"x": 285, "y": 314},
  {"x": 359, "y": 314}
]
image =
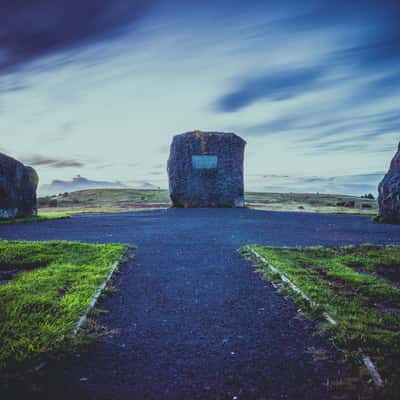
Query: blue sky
[{"x": 99, "y": 88}]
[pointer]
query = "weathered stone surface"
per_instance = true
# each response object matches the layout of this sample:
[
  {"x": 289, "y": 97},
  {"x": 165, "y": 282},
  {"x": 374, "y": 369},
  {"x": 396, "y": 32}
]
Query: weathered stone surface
[
  {"x": 18, "y": 185},
  {"x": 205, "y": 169},
  {"x": 389, "y": 192}
]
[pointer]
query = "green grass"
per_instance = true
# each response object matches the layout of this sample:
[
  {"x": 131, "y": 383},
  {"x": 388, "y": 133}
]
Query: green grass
[
  {"x": 41, "y": 305},
  {"x": 36, "y": 218},
  {"x": 349, "y": 284}
]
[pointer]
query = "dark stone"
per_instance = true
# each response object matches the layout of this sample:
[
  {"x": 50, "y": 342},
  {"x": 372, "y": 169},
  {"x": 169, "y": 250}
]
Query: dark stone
[
  {"x": 205, "y": 169},
  {"x": 389, "y": 193},
  {"x": 18, "y": 185}
]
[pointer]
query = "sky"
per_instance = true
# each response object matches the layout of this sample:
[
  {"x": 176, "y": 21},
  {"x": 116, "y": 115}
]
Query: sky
[{"x": 99, "y": 88}]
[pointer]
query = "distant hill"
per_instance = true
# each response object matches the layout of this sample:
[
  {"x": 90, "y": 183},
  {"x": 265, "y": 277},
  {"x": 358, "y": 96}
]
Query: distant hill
[
  {"x": 82, "y": 183},
  {"x": 106, "y": 199}
]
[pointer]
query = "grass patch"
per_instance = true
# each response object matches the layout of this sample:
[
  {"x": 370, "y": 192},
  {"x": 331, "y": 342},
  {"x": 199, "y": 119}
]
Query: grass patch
[
  {"x": 312, "y": 202},
  {"x": 40, "y": 307},
  {"x": 346, "y": 282},
  {"x": 36, "y": 218}
]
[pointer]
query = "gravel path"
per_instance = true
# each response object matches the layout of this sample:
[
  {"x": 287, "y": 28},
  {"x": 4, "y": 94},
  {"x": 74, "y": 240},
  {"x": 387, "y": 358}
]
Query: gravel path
[{"x": 194, "y": 321}]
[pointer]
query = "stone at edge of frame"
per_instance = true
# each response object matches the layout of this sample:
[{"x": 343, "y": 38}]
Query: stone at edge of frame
[
  {"x": 205, "y": 169},
  {"x": 389, "y": 192},
  {"x": 18, "y": 184}
]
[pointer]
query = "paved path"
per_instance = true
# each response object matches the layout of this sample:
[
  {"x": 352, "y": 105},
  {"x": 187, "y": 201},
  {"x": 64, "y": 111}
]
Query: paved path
[{"x": 194, "y": 320}]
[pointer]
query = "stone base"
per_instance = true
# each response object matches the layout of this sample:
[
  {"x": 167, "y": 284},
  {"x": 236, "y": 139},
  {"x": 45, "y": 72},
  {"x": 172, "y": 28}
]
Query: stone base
[{"x": 16, "y": 213}]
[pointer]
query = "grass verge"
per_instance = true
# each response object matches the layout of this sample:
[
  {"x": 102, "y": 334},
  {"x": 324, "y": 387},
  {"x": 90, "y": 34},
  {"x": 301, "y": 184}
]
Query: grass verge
[
  {"x": 349, "y": 283},
  {"x": 36, "y": 218},
  {"x": 41, "y": 305}
]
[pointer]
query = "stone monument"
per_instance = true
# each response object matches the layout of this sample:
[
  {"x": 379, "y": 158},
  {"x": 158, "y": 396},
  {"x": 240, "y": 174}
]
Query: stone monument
[
  {"x": 205, "y": 169},
  {"x": 389, "y": 192},
  {"x": 18, "y": 185}
]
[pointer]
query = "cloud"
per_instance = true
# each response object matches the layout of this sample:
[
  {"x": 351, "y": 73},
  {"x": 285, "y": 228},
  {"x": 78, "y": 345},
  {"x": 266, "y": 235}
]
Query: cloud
[
  {"x": 275, "y": 86},
  {"x": 334, "y": 61},
  {"x": 359, "y": 69},
  {"x": 37, "y": 161},
  {"x": 364, "y": 127},
  {"x": 385, "y": 85},
  {"x": 357, "y": 184},
  {"x": 323, "y": 132},
  {"x": 382, "y": 50},
  {"x": 377, "y": 43},
  {"x": 274, "y": 126},
  {"x": 30, "y": 29},
  {"x": 11, "y": 87}
]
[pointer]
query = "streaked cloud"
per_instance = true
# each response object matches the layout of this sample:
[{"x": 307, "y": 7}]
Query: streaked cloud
[
  {"x": 40, "y": 161},
  {"x": 313, "y": 87},
  {"x": 357, "y": 184},
  {"x": 275, "y": 86},
  {"x": 32, "y": 29}
]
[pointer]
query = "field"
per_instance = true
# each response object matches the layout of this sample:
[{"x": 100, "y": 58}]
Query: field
[
  {"x": 36, "y": 218},
  {"x": 312, "y": 202},
  {"x": 116, "y": 200},
  {"x": 359, "y": 287},
  {"x": 44, "y": 289},
  {"x": 104, "y": 200}
]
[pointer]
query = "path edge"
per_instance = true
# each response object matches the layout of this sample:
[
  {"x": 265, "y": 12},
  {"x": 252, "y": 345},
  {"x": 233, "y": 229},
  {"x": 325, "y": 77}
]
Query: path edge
[
  {"x": 43, "y": 363},
  {"x": 83, "y": 318},
  {"x": 373, "y": 371}
]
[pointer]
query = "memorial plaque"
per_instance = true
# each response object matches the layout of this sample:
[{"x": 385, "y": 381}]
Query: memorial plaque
[{"x": 204, "y": 162}]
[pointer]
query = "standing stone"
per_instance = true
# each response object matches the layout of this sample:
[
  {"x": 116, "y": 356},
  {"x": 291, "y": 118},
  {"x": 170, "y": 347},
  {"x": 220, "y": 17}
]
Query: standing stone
[
  {"x": 389, "y": 193},
  {"x": 205, "y": 169},
  {"x": 18, "y": 185}
]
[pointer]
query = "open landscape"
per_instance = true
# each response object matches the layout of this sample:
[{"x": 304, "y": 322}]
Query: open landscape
[
  {"x": 196, "y": 298},
  {"x": 119, "y": 200},
  {"x": 348, "y": 296}
]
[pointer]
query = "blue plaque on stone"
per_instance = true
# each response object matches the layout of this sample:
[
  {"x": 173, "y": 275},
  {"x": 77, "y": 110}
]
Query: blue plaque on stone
[{"x": 204, "y": 162}]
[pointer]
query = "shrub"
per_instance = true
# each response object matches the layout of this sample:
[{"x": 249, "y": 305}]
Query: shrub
[
  {"x": 368, "y": 196},
  {"x": 53, "y": 203}
]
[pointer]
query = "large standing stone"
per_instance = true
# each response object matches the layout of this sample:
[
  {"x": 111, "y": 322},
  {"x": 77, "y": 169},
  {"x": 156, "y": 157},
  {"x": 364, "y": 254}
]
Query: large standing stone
[
  {"x": 389, "y": 192},
  {"x": 18, "y": 185},
  {"x": 205, "y": 169}
]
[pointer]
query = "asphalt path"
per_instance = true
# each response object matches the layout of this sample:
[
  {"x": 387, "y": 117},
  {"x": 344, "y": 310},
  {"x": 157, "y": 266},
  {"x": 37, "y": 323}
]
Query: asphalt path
[{"x": 190, "y": 318}]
